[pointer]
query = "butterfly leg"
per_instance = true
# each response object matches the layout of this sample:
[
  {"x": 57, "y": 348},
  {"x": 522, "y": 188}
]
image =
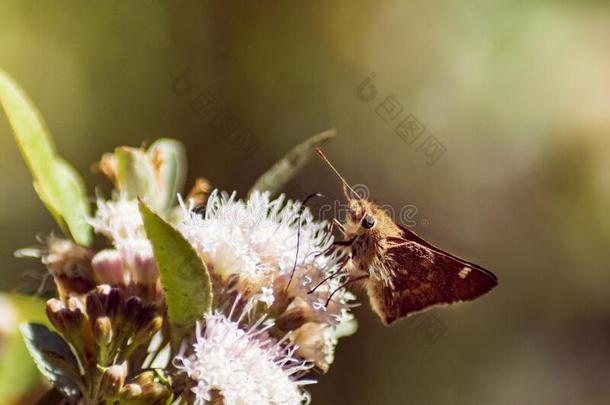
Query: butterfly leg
[
  {"x": 338, "y": 225},
  {"x": 332, "y": 275},
  {"x": 348, "y": 282}
]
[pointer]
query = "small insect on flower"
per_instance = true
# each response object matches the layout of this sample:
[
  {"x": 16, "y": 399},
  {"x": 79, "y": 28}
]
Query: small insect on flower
[
  {"x": 403, "y": 273},
  {"x": 243, "y": 366}
]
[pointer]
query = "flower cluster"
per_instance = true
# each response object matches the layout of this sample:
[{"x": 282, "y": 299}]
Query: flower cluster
[
  {"x": 227, "y": 357},
  {"x": 274, "y": 252},
  {"x": 131, "y": 263},
  {"x": 277, "y": 303}
]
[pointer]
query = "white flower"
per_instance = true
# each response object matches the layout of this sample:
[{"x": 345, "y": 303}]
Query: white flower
[
  {"x": 120, "y": 221},
  {"x": 267, "y": 296},
  {"x": 257, "y": 240},
  {"x": 244, "y": 366},
  {"x": 316, "y": 342},
  {"x": 254, "y": 238}
]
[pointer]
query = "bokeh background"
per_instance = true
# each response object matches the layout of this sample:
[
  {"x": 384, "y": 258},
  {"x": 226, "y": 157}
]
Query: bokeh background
[{"x": 516, "y": 92}]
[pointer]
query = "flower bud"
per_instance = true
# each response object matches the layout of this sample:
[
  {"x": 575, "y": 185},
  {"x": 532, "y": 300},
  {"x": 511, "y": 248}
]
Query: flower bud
[
  {"x": 109, "y": 168},
  {"x": 145, "y": 270},
  {"x": 144, "y": 389},
  {"x": 115, "y": 303},
  {"x": 108, "y": 268},
  {"x": 130, "y": 392},
  {"x": 144, "y": 378},
  {"x": 70, "y": 265},
  {"x": 144, "y": 317},
  {"x": 72, "y": 323},
  {"x": 315, "y": 343},
  {"x": 76, "y": 305},
  {"x": 76, "y": 314},
  {"x": 155, "y": 393},
  {"x": 102, "y": 331},
  {"x": 113, "y": 380},
  {"x": 146, "y": 277},
  {"x": 54, "y": 308},
  {"x": 105, "y": 301},
  {"x": 66, "y": 320},
  {"x": 150, "y": 328},
  {"x": 133, "y": 306},
  {"x": 94, "y": 305}
]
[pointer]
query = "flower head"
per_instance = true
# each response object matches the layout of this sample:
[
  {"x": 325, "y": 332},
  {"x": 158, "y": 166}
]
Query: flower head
[
  {"x": 120, "y": 221},
  {"x": 256, "y": 237},
  {"x": 262, "y": 242},
  {"x": 243, "y": 366},
  {"x": 131, "y": 263}
]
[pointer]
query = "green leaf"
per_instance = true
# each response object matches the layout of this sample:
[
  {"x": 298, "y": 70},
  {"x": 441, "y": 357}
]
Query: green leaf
[
  {"x": 285, "y": 169},
  {"x": 184, "y": 276},
  {"x": 53, "y": 357},
  {"x": 135, "y": 173},
  {"x": 172, "y": 172},
  {"x": 155, "y": 175},
  {"x": 18, "y": 373},
  {"x": 58, "y": 185},
  {"x": 74, "y": 200}
]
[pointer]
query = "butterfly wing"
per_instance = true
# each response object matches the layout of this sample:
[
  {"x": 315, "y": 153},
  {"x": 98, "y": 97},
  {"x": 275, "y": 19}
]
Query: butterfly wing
[{"x": 422, "y": 276}]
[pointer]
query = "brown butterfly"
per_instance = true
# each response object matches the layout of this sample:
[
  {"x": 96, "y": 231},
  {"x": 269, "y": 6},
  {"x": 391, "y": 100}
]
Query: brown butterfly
[{"x": 401, "y": 272}]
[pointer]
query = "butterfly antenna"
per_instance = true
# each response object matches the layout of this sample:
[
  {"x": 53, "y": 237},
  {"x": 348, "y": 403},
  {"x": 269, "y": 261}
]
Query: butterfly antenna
[{"x": 345, "y": 183}]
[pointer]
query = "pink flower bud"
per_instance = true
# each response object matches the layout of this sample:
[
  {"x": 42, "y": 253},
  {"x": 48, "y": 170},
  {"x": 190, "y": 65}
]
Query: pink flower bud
[{"x": 108, "y": 268}]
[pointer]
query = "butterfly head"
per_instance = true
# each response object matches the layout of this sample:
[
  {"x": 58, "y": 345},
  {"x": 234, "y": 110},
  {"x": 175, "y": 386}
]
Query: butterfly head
[{"x": 363, "y": 216}]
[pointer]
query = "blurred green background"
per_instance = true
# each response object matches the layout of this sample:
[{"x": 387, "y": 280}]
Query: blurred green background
[{"x": 517, "y": 92}]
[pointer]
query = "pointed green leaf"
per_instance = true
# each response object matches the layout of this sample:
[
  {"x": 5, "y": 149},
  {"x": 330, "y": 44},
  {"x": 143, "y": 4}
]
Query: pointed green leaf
[
  {"x": 184, "y": 276},
  {"x": 53, "y": 357},
  {"x": 172, "y": 171},
  {"x": 58, "y": 184},
  {"x": 285, "y": 169},
  {"x": 51, "y": 205},
  {"x": 74, "y": 201}
]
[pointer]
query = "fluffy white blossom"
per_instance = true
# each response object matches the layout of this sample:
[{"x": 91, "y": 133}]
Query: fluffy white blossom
[
  {"x": 257, "y": 240},
  {"x": 255, "y": 237},
  {"x": 244, "y": 366},
  {"x": 120, "y": 221}
]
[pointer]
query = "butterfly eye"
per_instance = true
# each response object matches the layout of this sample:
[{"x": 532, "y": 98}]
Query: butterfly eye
[{"x": 368, "y": 222}]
